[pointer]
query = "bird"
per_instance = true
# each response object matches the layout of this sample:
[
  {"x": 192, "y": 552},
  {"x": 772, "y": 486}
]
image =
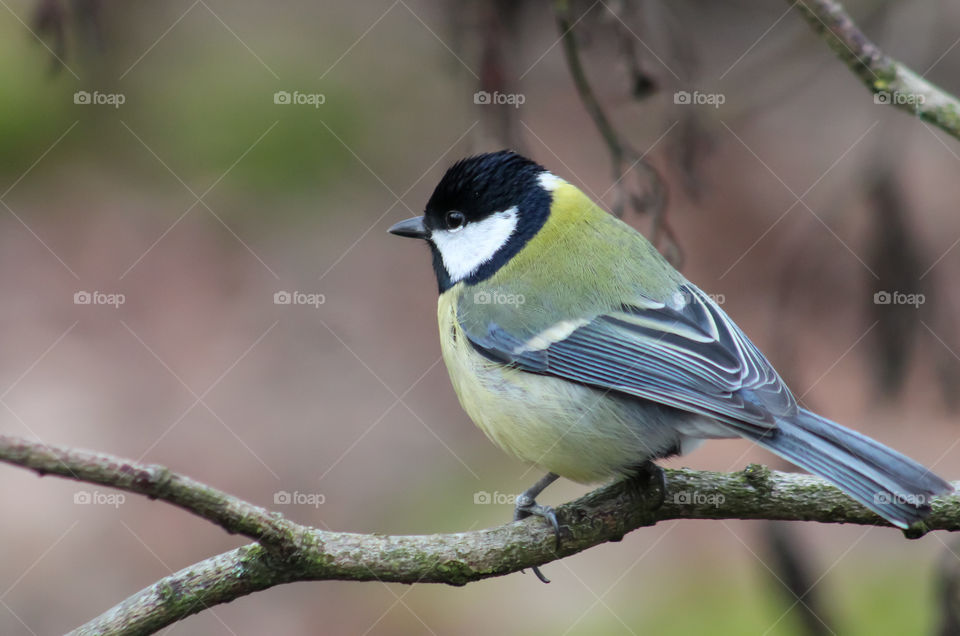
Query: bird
[{"x": 576, "y": 347}]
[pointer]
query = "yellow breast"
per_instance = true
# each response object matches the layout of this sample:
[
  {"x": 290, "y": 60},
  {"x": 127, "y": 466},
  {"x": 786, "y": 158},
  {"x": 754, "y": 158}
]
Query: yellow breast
[{"x": 563, "y": 427}]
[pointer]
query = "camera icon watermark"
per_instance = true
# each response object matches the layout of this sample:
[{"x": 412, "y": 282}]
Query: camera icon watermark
[
  {"x": 96, "y": 98},
  {"x": 484, "y": 498},
  {"x": 97, "y": 498},
  {"x": 297, "y": 98},
  {"x": 697, "y": 498},
  {"x": 497, "y": 298},
  {"x": 700, "y": 99},
  {"x": 297, "y": 498},
  {"x": 898, "y": 298},
  {"x": 496, "y": 98},
  {"x": 299, "y": 298},
  {"x": 98, "y": 298}
]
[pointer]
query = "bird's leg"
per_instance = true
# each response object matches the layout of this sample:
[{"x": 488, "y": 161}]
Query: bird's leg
[
  {"x": 650, "y": 476},
  {"x": 526, "y": 506}
]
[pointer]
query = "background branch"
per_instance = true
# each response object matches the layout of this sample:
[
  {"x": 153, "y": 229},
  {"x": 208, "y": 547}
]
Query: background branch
[
  {"x": 289, "y": 552},
  {"x": 652, "y": 197},
  {"x": 891, "y": 81}
]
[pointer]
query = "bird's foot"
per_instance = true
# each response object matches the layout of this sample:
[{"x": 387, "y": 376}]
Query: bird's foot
[
  {"x": 651, "y": 479},
  {"x": 527, "y": 506}
]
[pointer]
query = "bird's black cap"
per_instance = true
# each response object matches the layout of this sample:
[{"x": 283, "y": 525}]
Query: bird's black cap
[{"x": 482, "y": 185}]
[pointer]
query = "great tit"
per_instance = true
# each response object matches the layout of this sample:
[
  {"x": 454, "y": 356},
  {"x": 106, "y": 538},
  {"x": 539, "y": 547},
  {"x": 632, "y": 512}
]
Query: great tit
[{"x": 574, "y": 345}]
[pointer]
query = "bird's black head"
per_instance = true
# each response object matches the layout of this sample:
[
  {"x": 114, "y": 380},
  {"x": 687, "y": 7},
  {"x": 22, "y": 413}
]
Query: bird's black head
[{"x": 483, "y": 211}]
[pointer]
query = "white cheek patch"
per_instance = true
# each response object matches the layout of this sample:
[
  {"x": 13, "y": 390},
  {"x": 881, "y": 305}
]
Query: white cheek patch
[{"x": 463, "y": 251}]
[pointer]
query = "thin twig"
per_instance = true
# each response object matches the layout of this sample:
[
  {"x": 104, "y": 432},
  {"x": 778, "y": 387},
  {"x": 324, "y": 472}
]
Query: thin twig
[
  {"x": 618, "y": 150},
  {"x": 652, "y": 200}
]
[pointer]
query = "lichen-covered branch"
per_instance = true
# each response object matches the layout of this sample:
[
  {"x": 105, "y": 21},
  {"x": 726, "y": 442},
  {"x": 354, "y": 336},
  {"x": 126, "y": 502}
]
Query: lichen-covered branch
[
  {"x": 156, "y": 482},
  {"x": 892, "y": 82},
  {"x": 286, "y": 551}
]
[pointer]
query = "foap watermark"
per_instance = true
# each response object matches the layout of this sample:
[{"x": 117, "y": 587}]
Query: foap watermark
[
  {"x": 700, "y": 99},
  {"x": 686, "y": 297},
  {"x": 297, "y": 498},
  {"x": 497, "y": 98},
  {"x": 97, "y": 498},
  {"x": 910, "y": 499},
  {"x": 98, "y": 298},
  {"x": 497, "y": 298},
  {"x": 96, "y": 98},
  {"x": 697, "y": 498},
  {"x": 898, "y": 298},
  {"x": 297, "y": 98},
  {"x": 484, "y": 498},
  {"x": 899, "y": 99},
  {"x": 299, "y": 298}
]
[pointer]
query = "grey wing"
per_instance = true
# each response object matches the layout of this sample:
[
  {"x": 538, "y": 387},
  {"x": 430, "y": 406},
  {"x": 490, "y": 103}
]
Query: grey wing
[{"x": 690, "y": 356}]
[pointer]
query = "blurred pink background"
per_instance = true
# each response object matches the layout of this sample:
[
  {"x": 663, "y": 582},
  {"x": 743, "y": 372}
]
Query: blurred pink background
[{"x": 347, "y": 403}]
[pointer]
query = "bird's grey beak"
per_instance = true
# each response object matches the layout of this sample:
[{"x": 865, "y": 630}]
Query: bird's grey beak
[{"x": 411, "y": 228}]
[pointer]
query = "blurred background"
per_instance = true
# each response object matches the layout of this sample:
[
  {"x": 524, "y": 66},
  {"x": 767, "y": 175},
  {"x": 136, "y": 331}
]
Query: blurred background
[{"x": 172, "y": 173}]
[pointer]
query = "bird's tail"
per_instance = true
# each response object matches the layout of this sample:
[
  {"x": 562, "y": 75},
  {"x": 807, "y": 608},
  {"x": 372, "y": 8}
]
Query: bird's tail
[{"x": 885, "y": 481}]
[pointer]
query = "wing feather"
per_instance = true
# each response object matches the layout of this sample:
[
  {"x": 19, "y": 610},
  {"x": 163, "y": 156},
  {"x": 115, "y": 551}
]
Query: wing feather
[{"x": 688, "y": 355}]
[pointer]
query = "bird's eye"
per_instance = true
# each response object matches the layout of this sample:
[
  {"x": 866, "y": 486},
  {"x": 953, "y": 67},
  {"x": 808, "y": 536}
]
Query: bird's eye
[{"x": 455, "y": 220}]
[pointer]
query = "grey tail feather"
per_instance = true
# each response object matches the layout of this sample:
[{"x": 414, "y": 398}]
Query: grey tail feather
[{"x": 885, "y": 481}]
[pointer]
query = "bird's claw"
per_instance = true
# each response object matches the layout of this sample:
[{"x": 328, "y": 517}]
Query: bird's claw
[
  {"x": 528, "y": 507},
  {"x": 536, "y": 570}
]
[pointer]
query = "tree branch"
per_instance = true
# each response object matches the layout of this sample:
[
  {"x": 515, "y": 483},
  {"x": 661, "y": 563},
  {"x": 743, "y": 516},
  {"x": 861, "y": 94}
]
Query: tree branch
[
  {"x": 156, "y": 482},
  {"x": 891, "y": 82},
  {"x": 288, "y": 552}
]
